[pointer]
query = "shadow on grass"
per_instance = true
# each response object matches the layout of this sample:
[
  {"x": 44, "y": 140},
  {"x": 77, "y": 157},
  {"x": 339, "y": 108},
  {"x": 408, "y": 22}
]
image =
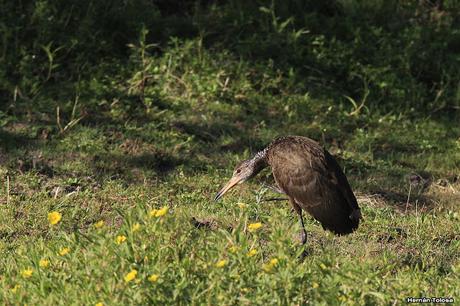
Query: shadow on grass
[
  {"x": 132, "y": 168},
  {"x": 13, "y": 141}
]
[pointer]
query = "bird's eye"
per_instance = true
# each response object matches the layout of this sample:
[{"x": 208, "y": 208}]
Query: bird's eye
[{"x": 238, "y": 171}]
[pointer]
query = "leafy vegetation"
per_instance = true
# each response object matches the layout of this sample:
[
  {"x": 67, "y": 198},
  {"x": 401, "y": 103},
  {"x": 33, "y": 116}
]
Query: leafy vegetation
[{"x": 120, "y": 120}]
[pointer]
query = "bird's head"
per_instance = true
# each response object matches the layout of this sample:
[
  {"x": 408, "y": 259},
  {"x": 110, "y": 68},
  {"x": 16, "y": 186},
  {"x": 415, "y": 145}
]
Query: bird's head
[{"x": 243, "y": 171}]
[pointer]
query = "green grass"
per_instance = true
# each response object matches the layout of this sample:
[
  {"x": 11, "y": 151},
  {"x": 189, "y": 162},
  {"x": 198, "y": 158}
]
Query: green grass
[
  {"x": 164, "y": 127},
  {"x": 407, "y": 245}
]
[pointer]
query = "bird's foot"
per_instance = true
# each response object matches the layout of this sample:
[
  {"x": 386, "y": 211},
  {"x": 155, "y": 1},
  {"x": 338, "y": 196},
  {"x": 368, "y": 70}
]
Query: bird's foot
[{"x": 305, "y": 252}]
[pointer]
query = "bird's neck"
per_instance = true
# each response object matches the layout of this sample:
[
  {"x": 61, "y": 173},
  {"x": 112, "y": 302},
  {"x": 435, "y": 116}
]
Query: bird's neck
[
  {"x": 260, "y": 160},
  {"x": 261, "y": 156}
]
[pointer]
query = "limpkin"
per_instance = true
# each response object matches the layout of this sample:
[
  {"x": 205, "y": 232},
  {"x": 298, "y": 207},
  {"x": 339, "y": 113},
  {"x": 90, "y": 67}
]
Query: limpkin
[{"x": 312, "y": 179}]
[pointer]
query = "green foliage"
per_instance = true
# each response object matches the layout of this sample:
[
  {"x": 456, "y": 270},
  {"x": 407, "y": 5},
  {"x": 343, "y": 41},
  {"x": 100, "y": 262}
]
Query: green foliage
[{"x": 109, "y": 109}]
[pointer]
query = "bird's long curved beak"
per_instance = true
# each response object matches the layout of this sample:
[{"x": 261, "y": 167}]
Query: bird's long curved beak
[{"x": 232, "y": 182}]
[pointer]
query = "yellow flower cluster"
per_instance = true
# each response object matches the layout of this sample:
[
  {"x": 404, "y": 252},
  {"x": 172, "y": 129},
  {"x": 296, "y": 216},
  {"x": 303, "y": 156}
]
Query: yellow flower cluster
[
  {"x": 44, "y": 263},
  {"x": 233, "y": 249},
  {"x": 254, "y": 226},
  {"x": 159, "y": 212},
  {"x": 54, "y": 217},
  {"x": 221, "y": 263},
  {"x": 153, "y": 278},
  {"x": 242, "y": 205},
  {"x": 64, "y": 251},
  {"x": 99, "y": 224},
  {"x": 252, "y": 253},
  {"x": 15, "y": 288},
  {"x": 130, "y": 276},
  {"x": 268, "y": 267},
  {"x": 135, "y": 227},
  {"x": 26, "y": 273},
  {"x": 120, "y": 239}
]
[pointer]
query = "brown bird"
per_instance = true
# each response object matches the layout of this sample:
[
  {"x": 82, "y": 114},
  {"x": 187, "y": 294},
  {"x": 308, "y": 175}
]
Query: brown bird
[{"x": 310, "y": 177}]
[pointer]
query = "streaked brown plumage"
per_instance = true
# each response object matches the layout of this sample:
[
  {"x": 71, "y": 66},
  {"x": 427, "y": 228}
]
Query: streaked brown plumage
[{"x": 310, "y": 177}]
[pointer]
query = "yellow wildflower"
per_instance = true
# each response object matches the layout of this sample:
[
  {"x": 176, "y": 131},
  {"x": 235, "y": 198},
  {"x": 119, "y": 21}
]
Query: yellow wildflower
[
  {"x": 131, "y": 275},
  {"x": 153, "y": 278},
  {"x": 64, "y": 251},
  {"x": 99, "y": 304},
  {"x": 252, "y": 252},
  {"x": 159, "y": 212},
  {"x": 342, "y": 298},
  {"x": 120, "y": 239},
  {"x": 54, "y": 217},
  {"x": 26, "y": 273},
  {"x": 322, "y": 266},
  {"x": 315, "y": 285},
  {"x": 44, "y": 263},
  {"x": 274, "y": 261},
  {"x": 135, "y": 227},
  {"x": 233, "y": 249},
  {"x": 242, "y": 205},
  {"x": 269, "y": 266},
  {"x": 221, "y": 263},
  {"x": 99, "y": 224},
  {"x": 15, "y": 288},
  {"x": 254, "y": 226}
]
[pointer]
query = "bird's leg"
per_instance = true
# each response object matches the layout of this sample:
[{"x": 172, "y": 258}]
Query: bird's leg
[{"x": 303, "y": 234}]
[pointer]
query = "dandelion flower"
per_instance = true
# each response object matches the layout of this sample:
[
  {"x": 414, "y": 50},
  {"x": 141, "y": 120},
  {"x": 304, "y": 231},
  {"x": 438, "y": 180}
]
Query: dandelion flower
[
  {"x": 315, "y": 285},
  {"x": 221, "y": 263},
  {"x": 159, "y": 212},
  {"x": 274, "y": 261},
  {"x": 135, "y": 227},
  {"x": 153, "y": 278},
  {"x": 242, "y": 205},
  {"x": 99, "y": 224},
  {"x": 44, "y": 263},
  {"x": 64, "y": 251},
  {"x": 15, "y": 288},
  {"x": 54, "y": 217},
  {"x": 254, "y": 226},
  {"x": 233, "y": 249},
  {"x": 120, "y": 239},
  {"x": 26, "y": 273},
  {"x": 130, "y": 276},
  {"x": 99, "y": 304},
  {"x": 268, "y": 267},
  {"x": 252, "y": 252}
]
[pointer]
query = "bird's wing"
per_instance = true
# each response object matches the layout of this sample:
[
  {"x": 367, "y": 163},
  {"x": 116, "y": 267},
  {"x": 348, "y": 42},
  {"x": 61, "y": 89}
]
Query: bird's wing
[
  {"x": 300, "y": 174},
  {"x": 340, "y": 180},
  {"x": 306, "y": 176}
]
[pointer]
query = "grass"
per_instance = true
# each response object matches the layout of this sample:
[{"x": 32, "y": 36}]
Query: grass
[
  {"x": 164, "y": 129},
  {"x": 407, "y": 245}
]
